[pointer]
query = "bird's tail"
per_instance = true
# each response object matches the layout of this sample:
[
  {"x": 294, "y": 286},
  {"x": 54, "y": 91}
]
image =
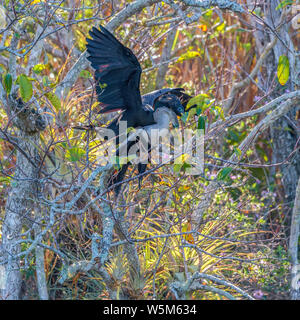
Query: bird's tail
[{"x": 118, "y": 177}]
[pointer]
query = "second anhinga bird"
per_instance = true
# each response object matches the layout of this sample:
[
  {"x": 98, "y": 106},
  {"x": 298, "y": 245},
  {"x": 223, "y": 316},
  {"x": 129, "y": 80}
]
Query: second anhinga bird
[{"x": 117, "y": 76}]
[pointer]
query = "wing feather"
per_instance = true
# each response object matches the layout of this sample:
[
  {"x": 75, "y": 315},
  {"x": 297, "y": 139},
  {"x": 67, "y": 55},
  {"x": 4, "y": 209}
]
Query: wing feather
[{"x": 117, "y": 72}]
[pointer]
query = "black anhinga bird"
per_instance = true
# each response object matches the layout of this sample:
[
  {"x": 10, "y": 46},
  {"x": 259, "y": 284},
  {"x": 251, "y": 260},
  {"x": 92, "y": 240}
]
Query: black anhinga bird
[{"x": 117, "y": 76}]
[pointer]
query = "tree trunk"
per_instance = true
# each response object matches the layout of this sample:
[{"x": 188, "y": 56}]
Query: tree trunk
[
  {"x": 19, "y": 208},
  {"x": 294, "y": 247},
  {"x": 283, "y": 132}
]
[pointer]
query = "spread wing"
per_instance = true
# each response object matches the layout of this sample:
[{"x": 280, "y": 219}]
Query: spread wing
[{"x": 117, "y": 72}]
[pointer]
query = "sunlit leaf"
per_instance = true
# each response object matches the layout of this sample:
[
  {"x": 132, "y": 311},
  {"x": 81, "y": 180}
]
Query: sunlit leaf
[
  {"x": 55, "y": 101},
  {"x": 75, "y": 154},
  {"x": 46, "y": 81},
  {"x": 184, "y": 117},
  {"x": 247, "y": 46},
  {"x": 284, "y": 3},
  {"x": 38, "y": 68},
  {"x": 188, "y": 237},
  {"x": 283, "y": 70},
  {"x": 223, "y": 174},
  {"x": 175, "y": 40},
  {"x": 201, "y": 123},
  {"x": 203, "y": 27},
  {"x": 221, "y": 27},
  {"x": 85, "y": 74},
  {"x": 184, "y": 188},
  {"x": 237, "y": 151},
  {"x": 25, "y": 87},
  {"x": 7, "y": 82},
  {"x": 199, "y": 100},
  {"x": 177, "y": 167},
  {"x": 220, "y": 112},
  {"x": 188, "y": 55}
]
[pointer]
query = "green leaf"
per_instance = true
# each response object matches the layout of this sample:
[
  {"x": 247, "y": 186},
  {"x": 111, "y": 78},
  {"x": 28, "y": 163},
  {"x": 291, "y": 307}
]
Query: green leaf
[
  {"x": 177, "y": 167},
  {"x": 201, "y": 123},
  {"x": 200, "y": 100},
  {"x": 5, "y": 180},
  {"x": 52, "y": 97},
  {"x": 220, "y": 112},
  {"x": 188, "y": 55},
  {"x": 221, "y": 27},
  {"x": 7, "y": 82},
  {"x": 186, "y": 166},
  {"x": 175, "y": 40},
  {"x": 183, "y": 189},
  {"x": 283, "y": 4},
  {"x": 46, "y": 81},
  {"x": 102, "y": 85},
  {"x": 224, "y": 173},
  {"x": 25, "y": 87},
  {"x": 75, "y": 154},
  {"x": 208, "y": 13},
  {"x": 237, "y": 151},
  {"x": 235, "y": 193},
  {"x": 283, "y": 70},
  {"x": 257, "y": 173},
  {"x": 117, "y": 165},
  {"x": 247, "y": 46},
  {"x": 85, "y": 74},
  {"x": 64, "y": 145},
  {"x": 38, "y": 68},
  {"x": 147, "y": 251},
  {"x": 184, "y": 117}
]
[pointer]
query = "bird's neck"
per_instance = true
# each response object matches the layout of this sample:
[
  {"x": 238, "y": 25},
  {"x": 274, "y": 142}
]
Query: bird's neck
[{"x": 163, "y": 116}]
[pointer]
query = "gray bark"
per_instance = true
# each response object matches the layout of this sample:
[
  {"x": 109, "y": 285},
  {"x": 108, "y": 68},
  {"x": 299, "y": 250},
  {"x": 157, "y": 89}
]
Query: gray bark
[
  {"x": 283, "y": 132},
  {"x": 166, "y": 55},
  {"x": 294, "y": 247},
  {"x": 19, "y": 207}
]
